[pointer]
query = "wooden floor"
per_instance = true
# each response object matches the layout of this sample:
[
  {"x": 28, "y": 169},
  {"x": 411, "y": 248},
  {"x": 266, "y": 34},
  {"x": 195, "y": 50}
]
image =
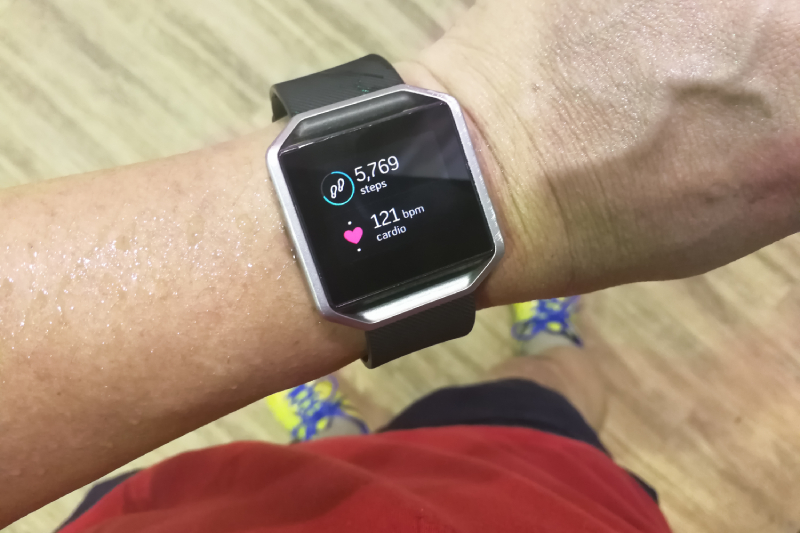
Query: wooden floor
[{"x": 705, "y": 372}]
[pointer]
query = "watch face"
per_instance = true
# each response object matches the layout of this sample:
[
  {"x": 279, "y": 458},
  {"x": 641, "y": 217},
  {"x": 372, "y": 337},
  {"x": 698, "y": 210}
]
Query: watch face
[{"x": 387, "y": 203}]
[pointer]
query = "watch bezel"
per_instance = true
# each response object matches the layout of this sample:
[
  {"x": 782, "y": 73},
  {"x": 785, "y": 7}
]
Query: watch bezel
[{"x": 419, "y": 300}]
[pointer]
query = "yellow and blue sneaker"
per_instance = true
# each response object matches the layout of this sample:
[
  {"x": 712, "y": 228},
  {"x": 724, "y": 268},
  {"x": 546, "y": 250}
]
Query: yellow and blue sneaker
[
  {"x": 552, "y": 316},
  {"x": 315, "y": 410}
]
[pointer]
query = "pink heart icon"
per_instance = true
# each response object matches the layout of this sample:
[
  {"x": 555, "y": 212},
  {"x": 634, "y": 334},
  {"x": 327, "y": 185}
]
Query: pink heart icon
[{"x": 353, "y": 235}]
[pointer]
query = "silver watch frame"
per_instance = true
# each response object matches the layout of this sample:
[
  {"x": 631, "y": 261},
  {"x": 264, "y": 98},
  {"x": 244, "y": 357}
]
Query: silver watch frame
[{"x": 386, "y": 313}]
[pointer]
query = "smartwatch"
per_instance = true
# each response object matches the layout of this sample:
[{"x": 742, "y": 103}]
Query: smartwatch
[{"x": 385, "y": 204}]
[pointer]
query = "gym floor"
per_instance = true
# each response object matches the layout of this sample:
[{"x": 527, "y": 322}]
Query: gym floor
[{"x": 705, "y": 372}]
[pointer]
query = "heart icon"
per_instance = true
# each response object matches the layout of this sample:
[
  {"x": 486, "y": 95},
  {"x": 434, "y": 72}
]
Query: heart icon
[{"x": 353, "y": 235}]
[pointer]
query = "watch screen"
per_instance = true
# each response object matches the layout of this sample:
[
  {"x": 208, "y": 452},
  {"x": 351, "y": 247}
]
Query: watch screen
[{"x": 386, "y": 203}]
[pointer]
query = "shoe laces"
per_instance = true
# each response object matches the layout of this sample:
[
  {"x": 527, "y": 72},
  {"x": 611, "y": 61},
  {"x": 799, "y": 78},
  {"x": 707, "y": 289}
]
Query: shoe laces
[
  {"x": 549, "y": 316},
  {"x": 312, "y": 407}
]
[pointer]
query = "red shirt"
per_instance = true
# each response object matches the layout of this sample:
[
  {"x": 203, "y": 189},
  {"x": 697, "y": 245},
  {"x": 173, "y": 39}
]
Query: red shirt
[{"x": 450, "y": 479}]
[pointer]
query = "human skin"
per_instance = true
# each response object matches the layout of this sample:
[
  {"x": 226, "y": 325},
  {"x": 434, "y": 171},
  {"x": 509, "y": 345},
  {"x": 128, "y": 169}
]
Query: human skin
[
  {"x": 631, "y": 140},
  {"x": 621, "y": 141}
]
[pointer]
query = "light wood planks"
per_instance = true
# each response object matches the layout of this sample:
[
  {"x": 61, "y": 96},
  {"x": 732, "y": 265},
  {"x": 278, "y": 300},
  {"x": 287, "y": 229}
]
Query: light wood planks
[{"x": 705, "y": 373}]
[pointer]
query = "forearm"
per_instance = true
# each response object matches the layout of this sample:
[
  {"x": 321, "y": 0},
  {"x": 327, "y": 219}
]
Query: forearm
[{"x": 140, "y": 303}]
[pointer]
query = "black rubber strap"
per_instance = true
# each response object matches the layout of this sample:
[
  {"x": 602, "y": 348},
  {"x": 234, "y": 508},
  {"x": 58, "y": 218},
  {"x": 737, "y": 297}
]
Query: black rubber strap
[
  {"x": 439, "y": 324},
  {"x": 371, "y": 73},
  {"x": 362, "y": 76}
]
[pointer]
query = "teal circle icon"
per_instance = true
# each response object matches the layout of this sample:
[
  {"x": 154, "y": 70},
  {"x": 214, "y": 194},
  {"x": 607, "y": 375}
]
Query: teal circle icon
[{"x": 337, "y": 186}]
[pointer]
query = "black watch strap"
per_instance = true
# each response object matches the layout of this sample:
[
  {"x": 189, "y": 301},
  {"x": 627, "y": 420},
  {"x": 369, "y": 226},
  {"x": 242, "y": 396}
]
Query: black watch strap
[
  {"x": 442, "y": 323},
  {"x": 371, "y": 73},
  {"x": 359, "y": 77}
]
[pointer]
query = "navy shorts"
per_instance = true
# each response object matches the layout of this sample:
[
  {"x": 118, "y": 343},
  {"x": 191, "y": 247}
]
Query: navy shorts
[{"x": 507, "y": 402}]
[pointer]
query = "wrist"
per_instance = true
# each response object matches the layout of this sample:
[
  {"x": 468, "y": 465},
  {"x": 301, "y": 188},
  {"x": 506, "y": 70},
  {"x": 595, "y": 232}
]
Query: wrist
[
  {"x": 624, "y": 166},
  {"x": 315, "y": 346},
  {"x": 537, "y": 259}
]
